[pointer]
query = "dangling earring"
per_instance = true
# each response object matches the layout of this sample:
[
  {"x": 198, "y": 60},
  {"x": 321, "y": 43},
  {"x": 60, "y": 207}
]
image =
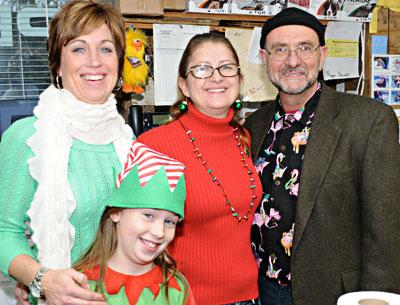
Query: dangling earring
[
  {"x": 118, "y": 85},
  {"x": 183, "y": 106},
  {"x": 58, "y": 81},
  {"x": 237, "y": 105}
]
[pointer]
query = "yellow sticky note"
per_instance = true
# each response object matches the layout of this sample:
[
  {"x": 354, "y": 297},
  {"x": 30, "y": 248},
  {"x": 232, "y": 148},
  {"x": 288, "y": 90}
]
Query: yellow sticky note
[
  {"x": 342, "y": 48},
  {"x": 383, "y": 3},
  {"x": 373, "y": 26},
  {"x": 394, "y": 5}
]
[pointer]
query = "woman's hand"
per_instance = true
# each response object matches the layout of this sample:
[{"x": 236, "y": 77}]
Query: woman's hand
[
  {"x": 21, "y": 293},
  {"x": 69, "y": 287}
]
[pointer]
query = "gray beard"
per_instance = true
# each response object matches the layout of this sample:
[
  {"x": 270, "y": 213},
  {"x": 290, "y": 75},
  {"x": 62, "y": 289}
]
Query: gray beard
[
  {"x": 288, "y": 91},
  {"x": 309, "y": 84}
]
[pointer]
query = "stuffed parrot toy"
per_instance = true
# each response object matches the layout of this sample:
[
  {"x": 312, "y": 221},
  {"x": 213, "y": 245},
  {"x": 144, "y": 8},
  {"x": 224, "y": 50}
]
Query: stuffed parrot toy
[{"x": 135, "y": 70}]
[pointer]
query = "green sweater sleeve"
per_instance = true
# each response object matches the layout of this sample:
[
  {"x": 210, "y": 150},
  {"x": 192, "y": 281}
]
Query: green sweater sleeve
[{"x": 17, "y": 188}]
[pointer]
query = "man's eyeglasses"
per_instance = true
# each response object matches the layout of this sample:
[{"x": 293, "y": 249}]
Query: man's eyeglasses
[
  {"x": 303, "y": 51},
  {"x": 206, "y": 71}
]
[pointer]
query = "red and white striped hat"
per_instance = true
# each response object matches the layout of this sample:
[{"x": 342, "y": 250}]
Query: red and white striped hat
[{"x": 150, "y": 179}]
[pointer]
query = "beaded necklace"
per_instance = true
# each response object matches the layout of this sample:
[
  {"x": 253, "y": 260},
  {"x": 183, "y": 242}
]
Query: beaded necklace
[{"x": 216, "y": 181}]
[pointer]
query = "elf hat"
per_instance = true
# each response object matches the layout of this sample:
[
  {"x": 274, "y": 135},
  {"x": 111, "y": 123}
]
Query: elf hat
[{"x": 150, "y": 179}]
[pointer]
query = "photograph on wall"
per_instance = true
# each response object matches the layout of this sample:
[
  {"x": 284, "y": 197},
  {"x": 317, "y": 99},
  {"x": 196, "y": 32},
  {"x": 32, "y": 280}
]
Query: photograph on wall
[
  {"x": 249, "y": 7},
  {"x": 345, "y": 10},
  {"x": 380, "y": 62},
  {"x": 385, "y": 78},
  {"x": 394, "y": 63},
  {"x": 396, "y": 81},
  {"x": 358, "y": 10},
  {"x": 209, "y": 6},
  {"x": 395, "y": 97},
  {"x": 326, "y": 9},
  {"x": 381, "y": 96},
  {"x": 301, "y": 4},
  {"x": 257, "y": 7},
  {"x": 381, "y": 81},
  {"x": 275, "y": 6}
]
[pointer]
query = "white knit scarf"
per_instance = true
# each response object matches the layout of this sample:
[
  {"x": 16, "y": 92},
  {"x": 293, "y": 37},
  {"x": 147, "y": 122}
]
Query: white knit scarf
[{"x": 60, "y": 118}]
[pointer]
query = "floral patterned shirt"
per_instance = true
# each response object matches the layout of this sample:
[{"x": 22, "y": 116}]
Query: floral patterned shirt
[{"x": 279, "y": 166}]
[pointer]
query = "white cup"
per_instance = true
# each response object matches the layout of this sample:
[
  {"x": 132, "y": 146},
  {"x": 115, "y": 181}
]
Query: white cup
[{"x": 372, "y": 302}]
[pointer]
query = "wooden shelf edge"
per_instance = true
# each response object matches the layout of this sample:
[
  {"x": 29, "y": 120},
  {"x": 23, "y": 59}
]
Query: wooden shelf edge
[{"x": 199, "y": 18}]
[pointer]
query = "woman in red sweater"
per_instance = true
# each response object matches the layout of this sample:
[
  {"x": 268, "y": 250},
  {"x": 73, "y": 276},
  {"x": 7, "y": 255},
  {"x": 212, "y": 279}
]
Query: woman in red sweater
[{"x": 212, "y": 247}]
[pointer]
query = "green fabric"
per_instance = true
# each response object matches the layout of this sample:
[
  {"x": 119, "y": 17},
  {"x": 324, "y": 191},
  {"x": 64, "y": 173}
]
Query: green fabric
[
  {"x": 91, "y": 176},
  {"x": 175, "y": 297},
  {"x": 156, "y": 194}
]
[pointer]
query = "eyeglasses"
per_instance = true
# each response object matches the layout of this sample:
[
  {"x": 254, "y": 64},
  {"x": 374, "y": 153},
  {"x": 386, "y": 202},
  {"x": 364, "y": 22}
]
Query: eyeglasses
[
  {"x": 303, "y": 51},
  {"x": 206, "y": 71}
]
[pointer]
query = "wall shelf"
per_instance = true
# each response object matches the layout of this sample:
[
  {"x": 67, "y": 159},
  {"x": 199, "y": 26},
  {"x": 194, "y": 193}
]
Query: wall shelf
[{"x": 216, "y": 21}]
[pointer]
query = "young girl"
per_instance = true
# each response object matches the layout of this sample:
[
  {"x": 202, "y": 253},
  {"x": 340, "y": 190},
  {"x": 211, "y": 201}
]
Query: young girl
[{"x": 128, "y": 261}]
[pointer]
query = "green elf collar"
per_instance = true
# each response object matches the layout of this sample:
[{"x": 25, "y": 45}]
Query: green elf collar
[{"x": 134, "y": 284}]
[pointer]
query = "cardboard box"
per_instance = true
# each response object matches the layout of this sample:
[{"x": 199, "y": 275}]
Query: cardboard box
[
  {"x": 142, "y": 7},
  {"x": 394, "y": 32},
  {"x": 178, "y": 5}
]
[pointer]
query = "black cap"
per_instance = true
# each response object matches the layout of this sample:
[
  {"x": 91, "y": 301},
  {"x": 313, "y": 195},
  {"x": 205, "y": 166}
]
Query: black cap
[{"x": 293, "y": 16}]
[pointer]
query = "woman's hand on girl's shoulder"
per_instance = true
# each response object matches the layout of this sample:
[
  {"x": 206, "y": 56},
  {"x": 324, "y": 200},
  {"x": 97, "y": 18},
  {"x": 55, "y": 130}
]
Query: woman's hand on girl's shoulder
[{"x": 69, "y": 287}]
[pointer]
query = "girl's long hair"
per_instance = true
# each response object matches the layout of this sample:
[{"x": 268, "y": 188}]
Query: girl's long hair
[
  {"x": 192, "y": 46},
  {"x": 104, "y": 247}
]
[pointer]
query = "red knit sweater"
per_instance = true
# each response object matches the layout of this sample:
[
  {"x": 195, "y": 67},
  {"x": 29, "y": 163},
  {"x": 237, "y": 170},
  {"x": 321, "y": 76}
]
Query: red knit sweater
[{"x": 212, "y": 248}]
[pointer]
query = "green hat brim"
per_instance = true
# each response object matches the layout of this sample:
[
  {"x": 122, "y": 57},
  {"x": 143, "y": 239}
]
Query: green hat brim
[{"x": 155, "y": 194}]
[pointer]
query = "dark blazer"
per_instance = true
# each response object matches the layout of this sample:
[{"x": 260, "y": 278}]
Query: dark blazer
[{"x": 347, "y": 232}]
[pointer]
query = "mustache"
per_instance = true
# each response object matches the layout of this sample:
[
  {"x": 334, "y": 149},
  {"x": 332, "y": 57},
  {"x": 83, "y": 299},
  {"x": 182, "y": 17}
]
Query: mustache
[{"x": 289, "y": 69}]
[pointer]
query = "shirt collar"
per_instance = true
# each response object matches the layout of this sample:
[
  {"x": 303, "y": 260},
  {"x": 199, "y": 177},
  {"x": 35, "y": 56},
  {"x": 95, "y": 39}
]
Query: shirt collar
[
  {"x": 134, "y": 284},
  {"x": 302, "y": 115}
]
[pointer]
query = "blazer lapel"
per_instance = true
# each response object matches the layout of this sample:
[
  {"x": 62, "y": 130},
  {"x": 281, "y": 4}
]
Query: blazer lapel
[
  {"x": 261, "y": 128},
  {"x": 324, "y": 137}
]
